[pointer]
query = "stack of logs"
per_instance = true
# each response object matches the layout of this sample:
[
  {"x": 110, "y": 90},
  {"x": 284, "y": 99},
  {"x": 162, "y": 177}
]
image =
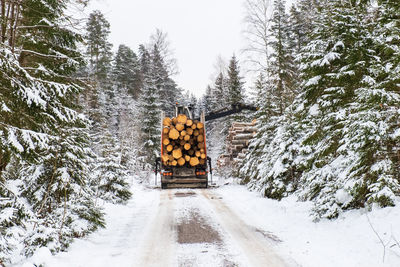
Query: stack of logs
[
  {"x": 183, "y": 142},
  {"x": 237, "y": 141}
]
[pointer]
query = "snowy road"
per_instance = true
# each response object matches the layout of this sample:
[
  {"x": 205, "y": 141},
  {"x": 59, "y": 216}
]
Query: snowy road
[
  {"x": 176, "y": 227},
  {"x": 228, "y": 226},
  {"x": 196, "y": 228}
]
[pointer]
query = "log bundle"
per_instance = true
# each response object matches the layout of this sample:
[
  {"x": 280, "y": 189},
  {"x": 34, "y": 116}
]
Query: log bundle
[
  {"x": 237, "y": 141},
  {"x": 183, "y": 142}
]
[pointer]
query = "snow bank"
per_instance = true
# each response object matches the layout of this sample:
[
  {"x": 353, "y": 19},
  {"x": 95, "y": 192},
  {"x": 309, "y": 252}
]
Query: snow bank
[{"x": 354, "y": 239}]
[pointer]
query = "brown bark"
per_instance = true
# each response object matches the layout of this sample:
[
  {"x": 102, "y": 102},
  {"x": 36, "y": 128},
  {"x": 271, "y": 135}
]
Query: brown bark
[
  {"x": 11, "y": 23},
  {"x": 4, "y": 21},
  {"x": 14, "y": 24},
  {"x": 240, "y": 142}
]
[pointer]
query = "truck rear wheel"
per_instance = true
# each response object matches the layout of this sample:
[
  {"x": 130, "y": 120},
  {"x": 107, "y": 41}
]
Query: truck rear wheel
[{"x": 163, "y": 186}]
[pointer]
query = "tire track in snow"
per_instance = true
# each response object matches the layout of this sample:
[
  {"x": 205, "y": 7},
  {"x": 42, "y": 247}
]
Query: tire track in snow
[
  {"x": 158, "y": 246},
  {"x": 256, "y": 249}
]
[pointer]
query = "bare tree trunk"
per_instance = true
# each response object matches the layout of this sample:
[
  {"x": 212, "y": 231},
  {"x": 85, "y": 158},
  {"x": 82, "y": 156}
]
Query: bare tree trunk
[
  {"x": 14, "y": 27},
  {"x": 3, "y": 20},
  {"x": 3, "y": 164},
  {"x": 12, "y": 17}
]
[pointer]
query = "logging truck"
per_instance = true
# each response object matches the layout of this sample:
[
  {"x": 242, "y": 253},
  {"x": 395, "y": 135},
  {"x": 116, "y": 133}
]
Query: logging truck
[{"x": 184, "y": 162}]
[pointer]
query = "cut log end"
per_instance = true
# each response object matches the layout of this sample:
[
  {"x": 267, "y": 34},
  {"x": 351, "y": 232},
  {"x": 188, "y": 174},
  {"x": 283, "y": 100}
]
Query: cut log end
[
  {"x": 182, "y": 118},
  {"x": 177, "y": 153},
  {"x": 179, "y": 126},
  {"x": 194, "y": 161},
  {"x": 174, "y": 134},
  {"x": 167, "y": 121}
]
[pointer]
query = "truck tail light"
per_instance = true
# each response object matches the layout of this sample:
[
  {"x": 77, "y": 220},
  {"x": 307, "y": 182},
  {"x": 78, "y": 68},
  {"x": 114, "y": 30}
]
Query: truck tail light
[
  {"x": 201, "y": 173},
  {"x": 167, "y": 174}
]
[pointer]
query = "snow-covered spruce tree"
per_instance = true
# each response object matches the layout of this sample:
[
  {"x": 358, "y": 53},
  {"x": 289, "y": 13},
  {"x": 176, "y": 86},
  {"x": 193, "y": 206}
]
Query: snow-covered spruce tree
[
  {"x": 167, "y": 96},
  {"x": 210, "y": 104},
  {"x": 195, "y": 104},
  {"x": 207, "y": 103},
  {"x": 126, "y": 78},
  {"x": 235, "y": 92},
  {"x": 373, "y": 127},
  {"x": 302, "y": 21},
  {"x": 109, "y": 175},
  {"x": 129, "y": 134},
  {"x": 267, "y": 122},
  {"x": 336, "y": 66},
  {"x": 60, "y": 190},
  {"x": 107, "y": 95},
  {"x": 125, "y": 86},
  {"x": 21, "y": 95},
  {"x": 126, "y": 71},
  {"x": 282, "y": 68},
  {"x": 335, "y": 144},
  {"x": 60, "y": 194},
  {"x": 217, "y": 129},
  {"x": 149, "y": 105},
  {"x": 39, "y": 129},
  {"x": 220, "y": 91},
  {"x": 273, "y": 97},
  {"x": 307, "y": 139},
  {"x": 235, "y": 89}
]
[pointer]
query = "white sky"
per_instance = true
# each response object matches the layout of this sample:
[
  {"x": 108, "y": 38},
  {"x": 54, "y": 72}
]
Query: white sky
[{"x": 198, "y": 30}]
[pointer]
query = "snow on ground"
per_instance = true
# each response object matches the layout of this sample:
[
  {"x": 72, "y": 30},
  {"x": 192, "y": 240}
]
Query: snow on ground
[
  {"x": 348, "y": 241},
  {"x": 116, "y": 245},
  {"x": 199, "y": 221}
]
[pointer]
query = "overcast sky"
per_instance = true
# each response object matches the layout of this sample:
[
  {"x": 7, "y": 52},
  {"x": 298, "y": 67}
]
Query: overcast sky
[{"x": 198, "y": 30}]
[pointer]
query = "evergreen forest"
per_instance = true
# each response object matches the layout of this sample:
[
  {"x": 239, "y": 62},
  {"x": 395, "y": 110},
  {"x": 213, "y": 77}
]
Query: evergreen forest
[{"x": 80, "y": 118}]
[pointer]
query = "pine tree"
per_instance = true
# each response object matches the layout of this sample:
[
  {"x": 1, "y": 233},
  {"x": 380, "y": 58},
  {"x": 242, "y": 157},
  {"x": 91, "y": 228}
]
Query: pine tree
[
  {"x": 43, "y": 146},
  {"x": 333, "y": 64},
  {"x": 166, "y": 87},
  {"x": 206, "y": 100},
  {"x": 220, "y": 91},
  {"x": 149, "y": 110},
  {"x": 374, "y": 119},
  {"x": 159, "y": 76},
  {"x": 126, "y": 71},
  {"x": 281, "y": 71},
  {"x": 98, "y": 47},
  {"x": 234, "y": 83},
  {"x": 109, "y": 175}
]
